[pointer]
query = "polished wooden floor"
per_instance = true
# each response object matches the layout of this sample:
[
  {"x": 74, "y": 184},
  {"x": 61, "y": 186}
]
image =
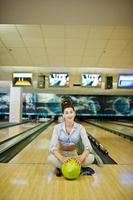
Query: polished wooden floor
[
  {"x": 12, "y": 131},
  {"x": 29, "y": 176},
  {"x": 124, "y": 123},
  {"x": 120, "y": 149}
]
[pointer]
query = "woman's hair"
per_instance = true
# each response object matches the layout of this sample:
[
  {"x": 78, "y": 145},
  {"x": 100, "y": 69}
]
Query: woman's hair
[{"x": 67, "y": 103}]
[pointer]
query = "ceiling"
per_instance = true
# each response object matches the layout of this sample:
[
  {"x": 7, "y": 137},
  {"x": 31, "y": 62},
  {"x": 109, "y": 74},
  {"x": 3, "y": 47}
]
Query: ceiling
[
  {"x": 51, "y": 35},
  {"x": 66, "y": 46}
]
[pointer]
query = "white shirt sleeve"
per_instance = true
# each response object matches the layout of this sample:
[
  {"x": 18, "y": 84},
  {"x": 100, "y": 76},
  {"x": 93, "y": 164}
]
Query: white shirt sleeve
[
  {"x": 54, "y": 139},
  {"x": 85, "y": 140}
]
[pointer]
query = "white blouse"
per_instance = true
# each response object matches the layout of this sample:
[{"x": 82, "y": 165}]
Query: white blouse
[{"x": 61, "y": 136}]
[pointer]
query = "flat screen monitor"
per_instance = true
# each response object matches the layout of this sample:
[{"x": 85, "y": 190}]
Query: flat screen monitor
[
  {"x": 125, "y": 81},
  {"x": 58, "y": 79},
  {"x": 91, "y": 80},
  {"x": 22, "y": 79}
]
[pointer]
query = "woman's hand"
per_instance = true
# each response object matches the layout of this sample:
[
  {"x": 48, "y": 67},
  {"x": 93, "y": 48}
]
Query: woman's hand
[
  {"x": 61, "y": 158},
  {"x": 78, "y": 161},
  {"x": 64, "y": 159}
]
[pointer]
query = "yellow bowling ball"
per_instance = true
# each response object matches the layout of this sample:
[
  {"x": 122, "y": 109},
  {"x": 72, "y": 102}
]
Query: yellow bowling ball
[{"x": 71, "y": 169}]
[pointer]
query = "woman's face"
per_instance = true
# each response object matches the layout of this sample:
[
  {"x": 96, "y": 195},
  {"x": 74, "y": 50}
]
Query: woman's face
[{"x": 69, "y": 114}]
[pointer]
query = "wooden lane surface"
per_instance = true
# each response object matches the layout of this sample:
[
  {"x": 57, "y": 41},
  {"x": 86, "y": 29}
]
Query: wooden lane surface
[
  {"x": 29, "y": 176},
  {"x": 9, "y": 132},
  {"x": 38, "y": 150},
  {"x": 123, "y": 123},
  {"x": 126, "y": 130},
  {"x": 119, "y": 149},
  {"x": 35, "y": 182},
  {"x": 126, "y": 123}
]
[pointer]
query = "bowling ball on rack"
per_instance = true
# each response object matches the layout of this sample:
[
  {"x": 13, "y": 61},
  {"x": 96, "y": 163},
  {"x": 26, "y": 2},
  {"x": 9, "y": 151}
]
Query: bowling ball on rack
[{"x": 71, "y": 169}]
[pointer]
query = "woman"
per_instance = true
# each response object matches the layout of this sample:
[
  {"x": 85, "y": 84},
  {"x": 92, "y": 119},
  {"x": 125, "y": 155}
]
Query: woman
[{"x": 65, "y": 138}]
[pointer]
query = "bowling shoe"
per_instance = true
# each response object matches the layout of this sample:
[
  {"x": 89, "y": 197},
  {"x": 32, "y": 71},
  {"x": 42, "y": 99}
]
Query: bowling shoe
[
  {"x": 58, "y": 172},
  {"x": 87, "y": 171}
]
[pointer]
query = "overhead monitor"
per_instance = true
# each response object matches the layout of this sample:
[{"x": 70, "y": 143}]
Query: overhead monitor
[
  {"x": 125, "y": 81},
  {"x": 22, "y": 79},
  {"x": 91, "y": 80},
  {"x": 58, "y": 79}
]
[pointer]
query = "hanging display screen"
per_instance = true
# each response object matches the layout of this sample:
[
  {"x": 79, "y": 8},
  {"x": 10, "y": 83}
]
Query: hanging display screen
[
  {"x": 125, "y": 81},
  {"x": 91, "y": 80},
  {"x": 58, "y": 79},
  {"x": 22, "y": 79}
]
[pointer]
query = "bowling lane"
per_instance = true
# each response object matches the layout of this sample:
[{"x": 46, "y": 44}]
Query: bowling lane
[
  {"x": 37, "y": 182},
  {"x": 123, "y": 129},
  {"x": 38, "y": 150},
  {"x": 123, "y": 123},
  {"x": 119, "y": 149},
  {"x": 29, "y": 171},
  {"x": 9, "y": 132}
]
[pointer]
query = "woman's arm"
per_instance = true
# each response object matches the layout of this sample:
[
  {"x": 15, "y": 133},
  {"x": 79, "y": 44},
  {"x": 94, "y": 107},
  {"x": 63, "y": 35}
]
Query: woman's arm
[
  {"x": 54, "y": 148},
  {"x": 83, "y": 156},
  {"x": 86, "y": 143},
  {"x": 85, "y": 140},
  {"x": 61, "y": 158}
]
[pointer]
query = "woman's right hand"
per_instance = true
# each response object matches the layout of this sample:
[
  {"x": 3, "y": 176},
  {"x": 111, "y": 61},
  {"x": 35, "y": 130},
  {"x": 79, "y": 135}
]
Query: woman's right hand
[{"x": 64, "y": 159}]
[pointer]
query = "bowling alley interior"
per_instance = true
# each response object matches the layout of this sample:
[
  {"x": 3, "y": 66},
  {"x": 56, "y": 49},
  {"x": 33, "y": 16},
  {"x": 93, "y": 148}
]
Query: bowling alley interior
[{"x": 55, "y": 50}]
